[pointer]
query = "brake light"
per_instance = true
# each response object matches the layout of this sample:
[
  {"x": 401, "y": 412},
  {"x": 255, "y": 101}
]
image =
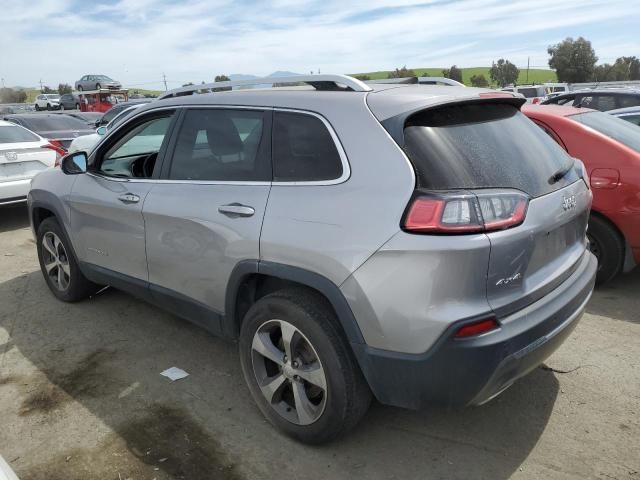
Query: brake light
[
  {"x": 536, "y": 100},
  {"x": 56, "y": 146},
  {"x": 477, "y": 328},
  {"x": 465, "y": 213}
]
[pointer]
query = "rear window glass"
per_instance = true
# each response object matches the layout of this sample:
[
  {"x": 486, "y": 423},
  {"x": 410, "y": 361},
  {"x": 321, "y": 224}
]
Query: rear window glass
[
  {"x": 528, "y": 92},
  {"x": 303, "y": 149},
  {"x": 624, "y": 132},
  {"x": 39, "y": 123},
  {"x": 483, "y": 146},
  {"x": 11, "y": 134}
]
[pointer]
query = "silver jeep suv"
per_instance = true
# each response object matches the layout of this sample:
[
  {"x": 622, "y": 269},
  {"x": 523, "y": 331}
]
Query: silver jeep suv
[{"x": 423, "y": 244}]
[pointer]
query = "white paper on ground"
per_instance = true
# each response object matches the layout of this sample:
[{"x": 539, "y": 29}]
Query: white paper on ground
[{"x": 174, "y": 373}]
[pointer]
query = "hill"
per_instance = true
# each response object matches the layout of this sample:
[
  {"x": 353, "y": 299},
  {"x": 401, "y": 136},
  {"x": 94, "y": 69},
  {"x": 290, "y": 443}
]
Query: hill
[{"x": 536, "y": 75}]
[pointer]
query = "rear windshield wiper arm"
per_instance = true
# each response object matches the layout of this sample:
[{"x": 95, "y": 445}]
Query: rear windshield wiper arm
[{"x": 560, "y": 174}]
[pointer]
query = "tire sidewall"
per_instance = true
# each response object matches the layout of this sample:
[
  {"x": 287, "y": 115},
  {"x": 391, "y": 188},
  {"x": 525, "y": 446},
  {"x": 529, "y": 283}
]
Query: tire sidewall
[
  {"x": 611, "y": 249},
  {"x": 323, "y": 340}
]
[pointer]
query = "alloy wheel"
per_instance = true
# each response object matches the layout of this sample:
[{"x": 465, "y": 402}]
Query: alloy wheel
[
  {"x": 289, "y": 372},
  {"x": 55, "y": 261}
]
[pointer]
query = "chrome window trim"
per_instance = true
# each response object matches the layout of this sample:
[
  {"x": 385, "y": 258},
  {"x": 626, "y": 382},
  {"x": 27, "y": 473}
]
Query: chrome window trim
[{"x": 346, "y": 168}]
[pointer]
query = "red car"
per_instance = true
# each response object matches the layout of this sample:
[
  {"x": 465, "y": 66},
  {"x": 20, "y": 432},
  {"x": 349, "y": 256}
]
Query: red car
[{"x": 610, "y": 149}]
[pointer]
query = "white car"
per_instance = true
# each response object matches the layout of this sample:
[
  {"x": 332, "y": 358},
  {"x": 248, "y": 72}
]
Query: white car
[
  {"x": 23, "y": 154},
  {"x": 48, "y": 101},
  {"x": 86, "y": 143}
]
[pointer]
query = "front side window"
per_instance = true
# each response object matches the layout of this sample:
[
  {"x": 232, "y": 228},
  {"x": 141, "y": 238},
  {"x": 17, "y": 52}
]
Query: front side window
[
  {"x": 599, "y": 102},
  {"x": 135, "y": 153},
  {"x": 221, "y": 145},
  {"x": 303, "y": 149}
]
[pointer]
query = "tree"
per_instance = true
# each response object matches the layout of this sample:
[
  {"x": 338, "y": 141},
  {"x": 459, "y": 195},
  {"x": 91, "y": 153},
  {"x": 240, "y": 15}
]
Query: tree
[
  {"x": 503, "y": 72},
  {"x": 47, "y": 89},
  {"x": 454, "y": 73},
  {"x": 188, "y": 84},
  {"x": 64, "y": 88},
  {"x": 402, "y": 73},
  {"x": 479, "y": 81},
  {"x": 573, "y": 60},
  {"x": 363, "y": 77},
  {"x": 9, "y": 95},
  {"x": 222, "y": 78}
]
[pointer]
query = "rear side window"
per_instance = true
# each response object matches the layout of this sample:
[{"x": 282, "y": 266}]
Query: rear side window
[
  {"x": 11, "y": 134},
  {"x": 303, "y": 149},
  {"x": 624, "y": 132},
  {"x": 599, "y": 102},
  {"x": 221, "y": 145},
  {"x": 483, "y": 146},
  {"x": 628, "y": 101}
]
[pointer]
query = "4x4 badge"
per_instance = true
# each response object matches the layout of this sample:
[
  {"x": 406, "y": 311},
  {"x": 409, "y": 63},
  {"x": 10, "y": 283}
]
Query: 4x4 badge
[{"x": 569, "y": 202}]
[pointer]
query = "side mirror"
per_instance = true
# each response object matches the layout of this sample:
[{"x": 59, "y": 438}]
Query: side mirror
[
  {"x": 101, "y": 130},
  {"x": 74, "y": 163}
]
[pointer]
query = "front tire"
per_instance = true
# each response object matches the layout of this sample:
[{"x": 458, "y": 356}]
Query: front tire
[
  {"x": 58, "y": 264},
  {"x": 37, "y": 107},
  {"x": 98, "y": 86},
  {"x": 608, "y": 247},
  {"x": 61, "y": 106},
  {"x": 299, "y": 367},
  {"x": 79, "y": 88},
  {"x": 48, "y": 106}
]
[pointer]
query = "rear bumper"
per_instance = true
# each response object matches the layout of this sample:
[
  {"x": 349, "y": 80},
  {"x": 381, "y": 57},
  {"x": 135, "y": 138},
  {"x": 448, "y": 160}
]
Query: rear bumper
[
  {"x": 457, "y": 372},
  {"x": 14, "y": 191}
]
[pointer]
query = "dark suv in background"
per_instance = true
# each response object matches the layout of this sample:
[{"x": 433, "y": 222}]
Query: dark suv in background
[{"x": 603, "y": 99}]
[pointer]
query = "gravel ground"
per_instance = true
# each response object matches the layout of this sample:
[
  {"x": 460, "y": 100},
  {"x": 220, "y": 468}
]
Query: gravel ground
[{"x": 81, "y": 398}]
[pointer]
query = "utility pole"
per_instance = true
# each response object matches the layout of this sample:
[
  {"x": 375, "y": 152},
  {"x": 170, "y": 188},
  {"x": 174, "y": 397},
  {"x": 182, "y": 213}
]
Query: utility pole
[
  {"x": 3, "y": 83},
  {"x": 164, "y": 79},
  {"x": 40, "y": 85},
  {"x": 528, "y": 70}
]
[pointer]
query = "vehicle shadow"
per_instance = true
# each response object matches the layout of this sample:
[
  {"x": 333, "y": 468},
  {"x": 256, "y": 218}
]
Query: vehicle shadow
[
  {"x": 13, "y": 217},
  {"x": 107, "y": 352},
  {"x": 618, "y": 299}
]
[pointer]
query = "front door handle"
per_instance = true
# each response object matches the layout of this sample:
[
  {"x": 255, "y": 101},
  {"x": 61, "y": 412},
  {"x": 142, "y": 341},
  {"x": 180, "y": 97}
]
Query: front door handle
[
  {"x": 129, "y": 198},
  {"x": 234, "y": 210}
]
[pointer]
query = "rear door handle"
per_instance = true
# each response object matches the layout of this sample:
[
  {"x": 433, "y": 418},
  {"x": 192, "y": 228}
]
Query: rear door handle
[
  {"x": 234, "y": 210},
  {"x": 129, "y": 198}
]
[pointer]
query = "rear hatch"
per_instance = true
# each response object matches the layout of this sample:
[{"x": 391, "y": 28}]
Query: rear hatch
[
  {"x": 22, "y": 154},
  {"x": 482, "y": 166}
]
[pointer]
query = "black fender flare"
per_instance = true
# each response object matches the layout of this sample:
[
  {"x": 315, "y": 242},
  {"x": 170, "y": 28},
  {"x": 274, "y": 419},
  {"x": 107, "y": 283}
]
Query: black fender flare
[{"x": 304, "y": 277}]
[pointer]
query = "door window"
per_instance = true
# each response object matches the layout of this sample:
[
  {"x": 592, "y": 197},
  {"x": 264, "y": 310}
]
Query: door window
[
  {"x": 221, "y": 145},
  {"x": 135, "y": 153},
  {"x": 303, "y": 149}
]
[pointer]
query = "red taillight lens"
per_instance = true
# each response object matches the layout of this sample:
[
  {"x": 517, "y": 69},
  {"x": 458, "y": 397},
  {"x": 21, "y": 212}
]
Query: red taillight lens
[
  {"x": 56, "y": 146},
  {"x": 465, "y": 213},
  {"x": 536, "y": 100},
  {"x": 477, "y": 328}
]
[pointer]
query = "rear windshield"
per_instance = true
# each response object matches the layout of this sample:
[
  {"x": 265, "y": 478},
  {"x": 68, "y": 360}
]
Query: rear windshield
[
  {"x": 14, "y": 134},
  {"x": 528, "y": 92},
  {"x": 39, "y": 123},
  {"x": 483, "y": 146},
  {"x": 624, "y": 132}
]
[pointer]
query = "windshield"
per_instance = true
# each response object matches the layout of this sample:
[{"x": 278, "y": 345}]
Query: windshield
[
  {"x": 483, "y": 146},
  {"x": 624, "y": 132},
  {"x": 39, "y": 123},
  {"x": 15, "y": 134},
  {"x": 102, "y": 77}
]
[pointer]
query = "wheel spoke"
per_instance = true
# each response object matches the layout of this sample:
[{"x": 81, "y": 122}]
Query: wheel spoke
[
  {"x": 47, "y": 243},
  {"x": 60, "y": 278},
  {"x": 65, "y": 269},
  {"x": 288, "y": 332},
  {"x": 271, "y": 389},
  {"x": 49, "y": 266},
  {"x": 304, "y": 408},
  {"x": 264, "y": 346},
  {"x": 314, "y": 375}
]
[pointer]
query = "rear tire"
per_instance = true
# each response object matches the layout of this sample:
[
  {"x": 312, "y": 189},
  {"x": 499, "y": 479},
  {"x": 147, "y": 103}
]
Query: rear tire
[
  {"x": 61, "y": 107},
  {"x": 59, "y": 265},
  {"x": 37, "y": 107},
  {"x": 77, "y": 106},
  {"x": 608, "y": 247},
  {"x": 48, "y": 106},
  {"x": 98, "y": 86},
  {"x": 79, "y": 88},
  {"x": 300, "y": 408}
]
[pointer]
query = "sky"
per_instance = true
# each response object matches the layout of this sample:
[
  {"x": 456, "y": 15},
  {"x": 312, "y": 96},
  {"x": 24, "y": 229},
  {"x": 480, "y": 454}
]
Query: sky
[{"x": 137, "y": 41}]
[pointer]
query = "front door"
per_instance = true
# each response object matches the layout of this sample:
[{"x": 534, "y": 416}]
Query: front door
[
  {"x": 205, "y": 215},
  {"x": 106, "y": 203}
]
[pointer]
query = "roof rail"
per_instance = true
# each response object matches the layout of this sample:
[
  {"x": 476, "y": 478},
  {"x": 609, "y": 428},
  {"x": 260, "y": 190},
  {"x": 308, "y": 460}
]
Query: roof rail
[
  {"x": 319, "y": 82},
  {"x": 420, "y": 80}
]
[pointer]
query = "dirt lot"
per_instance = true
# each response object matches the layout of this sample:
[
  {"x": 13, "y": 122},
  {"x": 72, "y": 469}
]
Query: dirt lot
[{"x": 81, "y": 398}]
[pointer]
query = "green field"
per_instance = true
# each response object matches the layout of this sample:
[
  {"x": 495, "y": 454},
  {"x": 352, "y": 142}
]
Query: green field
[{"x": 535, "y": 75}]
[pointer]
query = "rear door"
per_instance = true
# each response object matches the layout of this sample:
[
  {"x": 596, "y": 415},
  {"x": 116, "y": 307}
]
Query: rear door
[
  {"x": 491, "y": 149},
  {"x": 205, "y": 215}
]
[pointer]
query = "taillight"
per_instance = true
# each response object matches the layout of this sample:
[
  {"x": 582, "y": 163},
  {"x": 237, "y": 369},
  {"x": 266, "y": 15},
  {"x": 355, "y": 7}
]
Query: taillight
[
  {"x": 477, "y": 328},
  {"x": 536, "y": 100},
  {"x": 56, "y": 146},
  {"x": 459, "y": 213}
]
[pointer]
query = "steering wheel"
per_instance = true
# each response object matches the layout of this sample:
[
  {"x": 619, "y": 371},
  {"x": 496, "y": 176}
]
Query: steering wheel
[{"x": 143, "y": 166}]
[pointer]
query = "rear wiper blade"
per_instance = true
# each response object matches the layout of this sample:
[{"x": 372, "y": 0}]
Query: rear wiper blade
[{"x": 560, "y": 174}]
